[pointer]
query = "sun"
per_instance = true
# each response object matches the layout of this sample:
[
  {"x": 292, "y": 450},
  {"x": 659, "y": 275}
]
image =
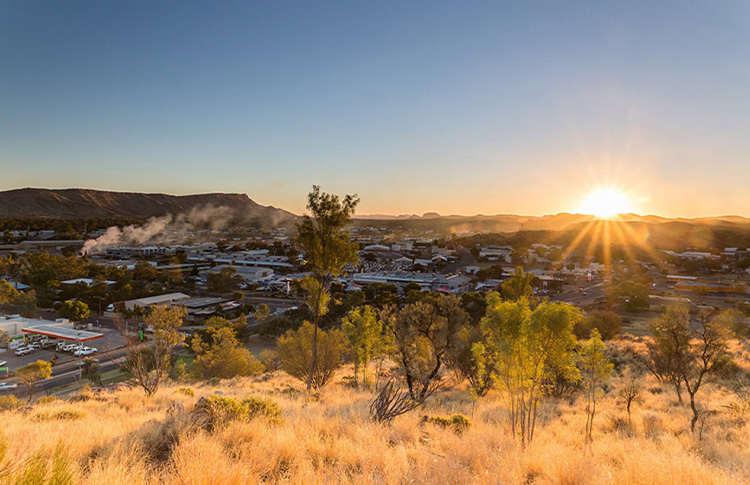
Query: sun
[{"x": 606, "y": 203}]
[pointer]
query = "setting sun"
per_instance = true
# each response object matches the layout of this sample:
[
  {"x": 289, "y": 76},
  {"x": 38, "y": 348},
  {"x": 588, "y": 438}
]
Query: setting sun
[{"x": 605, "y": 203}]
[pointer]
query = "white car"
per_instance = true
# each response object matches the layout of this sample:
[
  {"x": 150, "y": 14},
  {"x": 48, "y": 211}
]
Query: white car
[
  {"x": 4, "y": 386},
  {"x": 35, "y": 345},
  {"x": 23, "y": 351},
  {"x": 84, "y": 351},
  {"x": 70, "y": 347}
]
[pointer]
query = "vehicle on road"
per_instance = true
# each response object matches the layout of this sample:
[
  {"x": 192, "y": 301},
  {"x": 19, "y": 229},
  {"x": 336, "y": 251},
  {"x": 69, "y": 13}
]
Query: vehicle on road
[
  {"x": 35, "y": 345},
  {"x": 84, "y": 351},
  {"x": 23, "y": 351},
  {"x": 4, "y": 386},
  {"x": 70, "y": 347}
]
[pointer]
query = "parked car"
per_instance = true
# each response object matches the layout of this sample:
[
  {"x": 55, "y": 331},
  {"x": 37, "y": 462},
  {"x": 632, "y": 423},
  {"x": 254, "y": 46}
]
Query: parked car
[
  {"x": 35, "y": 345},
  {"x": 84, "y": 351},
  {"x": 47, "y": 344},
  {"x": 70, "y": 347},
  {"x": 23, "y": 351}
]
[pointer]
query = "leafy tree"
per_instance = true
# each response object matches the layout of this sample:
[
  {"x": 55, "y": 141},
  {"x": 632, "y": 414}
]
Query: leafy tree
[
  {"x": 734, "y": 319},
  {"x": 475, "y": 305},
  {"x": 327, "y": 251},
  {"x": 630, "y": 392},
  {"x": 26, "y": 303},
  {"x": 595, "y": 370},
  {"x": 467, "y": 357},
  {"x": 238, "y": 295},
  {"x": 528, "y": 348},
  {"x": 270, "y": 360},
  {"x": 145, "y": 271},
  {"x": 277, "y": 326},
  {"x": 518, "y": 286},
  {"x": 224, "y": 357},
  {"x": 262, "y": 312},
  {"x": 30, "y": 374},
  {"x": 295, "y": 350},
  {"x": 354, "y": 299},
  {"x": 74, "y": 311},
  {"x": 225, "y": 280},
  {"x": 92, "y": 371},
  {"x": 4, "y": 338},
  {"x": 8, "y": 294},
  {"x": 695, "y": 351},
  {"x": 635, "y": 294},
  {"x": 412, "y": 287},
  {"x": 606, "y": 322},
  {"x": 423, "y": 333},
  {"x": 364, "y": 331},
  {"x": 150, "y": 364}
]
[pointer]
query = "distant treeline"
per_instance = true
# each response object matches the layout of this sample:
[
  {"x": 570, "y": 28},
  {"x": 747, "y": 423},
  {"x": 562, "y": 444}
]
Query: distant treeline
[
  {"x": 637, "y": 237},
  {"x": 62, "y": 225}
]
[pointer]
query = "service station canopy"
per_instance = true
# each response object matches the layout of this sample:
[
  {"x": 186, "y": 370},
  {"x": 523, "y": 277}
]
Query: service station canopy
[{"x": 64, "y": 333}]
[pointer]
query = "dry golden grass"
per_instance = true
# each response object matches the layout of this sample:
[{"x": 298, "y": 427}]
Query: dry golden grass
[{"x": 118, "y": 438}]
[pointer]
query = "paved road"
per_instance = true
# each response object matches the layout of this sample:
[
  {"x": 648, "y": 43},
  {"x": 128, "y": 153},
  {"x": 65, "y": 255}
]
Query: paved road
[
  {"x": 111, "y": 340},
  {"x": 69, "y": 372}
]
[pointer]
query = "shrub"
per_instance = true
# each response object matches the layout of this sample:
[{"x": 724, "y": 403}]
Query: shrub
[
  {"x": 619, "y": 425},
  {"x": 295, "y": 352},
  {"x": 458, "y": 423},
  {"x": 223, "y": 357},
  {"x": 10, "y": 403},
  {"x": 187, "y": 391},
  {"x": 608, "y": 324},
  {"x": 652, "y": 426},
  {"x": 270, "y": 360},
  {"x": 216, "y": 411},
  {"x": 62, "y": 415},
  {"x": 46, "y": 400}
]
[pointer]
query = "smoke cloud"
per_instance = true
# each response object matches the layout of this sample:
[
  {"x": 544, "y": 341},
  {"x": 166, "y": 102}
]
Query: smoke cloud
[{"x": 162, "y": 229}]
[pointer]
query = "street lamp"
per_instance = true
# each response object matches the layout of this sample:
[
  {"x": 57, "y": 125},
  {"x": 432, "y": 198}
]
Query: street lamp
[{"x": 100, "y": 298}]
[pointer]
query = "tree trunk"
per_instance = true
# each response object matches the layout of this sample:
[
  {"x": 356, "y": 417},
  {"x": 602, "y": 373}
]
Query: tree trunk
[
  {"x": 678, "y": 389},
  {"x": 314, "y": 358},
  {"x": 695, "y": 412}
]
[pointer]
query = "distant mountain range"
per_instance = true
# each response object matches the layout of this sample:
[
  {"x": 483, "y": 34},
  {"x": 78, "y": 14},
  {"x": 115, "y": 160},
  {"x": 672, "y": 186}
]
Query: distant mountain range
[
  {"x": 513, "y": 223},
  {"x": 88, "y": 203}
]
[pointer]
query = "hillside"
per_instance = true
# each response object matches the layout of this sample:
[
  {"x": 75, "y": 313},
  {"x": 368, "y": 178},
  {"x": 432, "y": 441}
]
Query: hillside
[
  {"x": 122, "y": 437},
  {"x": 85, "y": 203}
]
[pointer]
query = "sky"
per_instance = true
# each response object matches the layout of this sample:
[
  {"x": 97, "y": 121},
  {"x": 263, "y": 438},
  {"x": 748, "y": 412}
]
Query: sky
[{"x": 451, "y": 107}]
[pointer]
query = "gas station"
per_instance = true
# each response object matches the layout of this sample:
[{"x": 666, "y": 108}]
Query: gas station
[{"x": 61, "y": 332}]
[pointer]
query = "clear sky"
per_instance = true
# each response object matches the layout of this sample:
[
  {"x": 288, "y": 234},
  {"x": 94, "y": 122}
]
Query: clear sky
[{"x": 454, "y": 107}]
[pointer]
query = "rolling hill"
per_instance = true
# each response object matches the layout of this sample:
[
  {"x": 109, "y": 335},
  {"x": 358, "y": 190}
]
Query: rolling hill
[{"x": 87, "y": 203}]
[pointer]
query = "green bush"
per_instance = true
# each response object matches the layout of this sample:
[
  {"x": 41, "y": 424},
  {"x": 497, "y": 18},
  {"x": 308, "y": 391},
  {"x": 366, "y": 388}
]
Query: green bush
[
  {"x": 219, "y": 411},
  {"x": 46, "y": 400},
  {"x": 62, "y": 415},
  {"x": 187, "y": 391},
  {"x": 10, "y": 403},
  {"x": 458, "y": 423}
]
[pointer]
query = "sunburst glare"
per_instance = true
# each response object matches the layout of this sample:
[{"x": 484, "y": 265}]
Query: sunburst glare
[{"x": 606, "y": 203}]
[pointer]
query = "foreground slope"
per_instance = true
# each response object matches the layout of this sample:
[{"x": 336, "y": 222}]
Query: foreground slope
[{"x": 123, "y": 437}]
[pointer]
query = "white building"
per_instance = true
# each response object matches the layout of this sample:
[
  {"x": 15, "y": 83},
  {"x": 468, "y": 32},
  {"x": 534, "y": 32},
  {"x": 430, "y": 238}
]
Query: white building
[
  {"x": 168, "y": 299},
  {"x": 250, "y": 274}
]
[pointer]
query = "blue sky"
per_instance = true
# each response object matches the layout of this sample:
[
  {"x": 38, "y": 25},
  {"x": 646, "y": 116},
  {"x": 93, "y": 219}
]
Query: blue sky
[{"x": 454, "y": 107}]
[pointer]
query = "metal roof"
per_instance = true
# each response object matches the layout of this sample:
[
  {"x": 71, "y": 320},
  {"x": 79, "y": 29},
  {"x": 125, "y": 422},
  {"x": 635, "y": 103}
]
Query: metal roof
[{"x": 65, "y": 333}]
